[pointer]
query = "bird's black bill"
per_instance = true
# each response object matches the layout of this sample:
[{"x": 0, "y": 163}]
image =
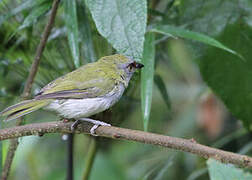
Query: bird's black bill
[{"x": 139, "y": 65}]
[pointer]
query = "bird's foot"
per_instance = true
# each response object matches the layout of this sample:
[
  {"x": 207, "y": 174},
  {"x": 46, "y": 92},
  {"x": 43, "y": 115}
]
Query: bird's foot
[{"x": 92, "y": 130}]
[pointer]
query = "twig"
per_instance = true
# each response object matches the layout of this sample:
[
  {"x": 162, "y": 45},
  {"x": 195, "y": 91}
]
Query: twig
[
  {"x": 90, "y": 158},
  {"x": 27, "y": 89},
  {"x": 185, "y": 145},
  {"x": 40, "y": 49},
  {"x": 70, "y": 163}
]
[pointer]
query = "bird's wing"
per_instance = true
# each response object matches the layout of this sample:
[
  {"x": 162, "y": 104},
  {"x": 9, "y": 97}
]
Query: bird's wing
[{"x": 89, "y": 81}]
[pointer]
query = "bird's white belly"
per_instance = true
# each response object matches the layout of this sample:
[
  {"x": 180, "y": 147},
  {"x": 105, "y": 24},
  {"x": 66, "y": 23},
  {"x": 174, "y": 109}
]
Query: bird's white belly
[{"x": 76, "y": 108}]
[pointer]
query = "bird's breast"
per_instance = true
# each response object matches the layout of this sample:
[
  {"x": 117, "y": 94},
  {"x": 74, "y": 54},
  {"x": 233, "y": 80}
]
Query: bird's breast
[{"x": 76, "y": 108}]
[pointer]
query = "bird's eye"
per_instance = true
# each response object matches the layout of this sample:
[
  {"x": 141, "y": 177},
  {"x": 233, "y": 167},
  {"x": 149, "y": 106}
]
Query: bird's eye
[
  {"x": 130, "y": 68},
  {"x": 132, "y": 65}
]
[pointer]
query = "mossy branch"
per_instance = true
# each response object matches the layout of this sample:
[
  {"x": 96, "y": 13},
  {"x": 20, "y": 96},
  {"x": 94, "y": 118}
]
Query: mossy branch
[{"x": 185, "y": 145}]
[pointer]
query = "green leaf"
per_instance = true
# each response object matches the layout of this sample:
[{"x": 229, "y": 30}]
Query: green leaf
[
  {"x": 220, "y": 171},
  {"x": 87, "y": 46},
  {"x": 122, "y": 23},
  {"x": 228, "y": 77},
  {"x": 162, "y": 88},
  {"x": 147, "y": 75},
  {"x": 72, "y": 29},
  {"x": 35, "y": 14},
  {"x": 23, "y": 6},
  {"x": 183, "y": 33}
]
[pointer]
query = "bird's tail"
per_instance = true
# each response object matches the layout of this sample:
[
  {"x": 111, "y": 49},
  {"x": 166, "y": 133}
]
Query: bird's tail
[{"x": 23, "y": 108}]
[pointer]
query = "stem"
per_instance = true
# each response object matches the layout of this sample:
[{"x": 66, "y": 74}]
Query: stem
[
  {"x": 90, "y": 158},
  {"x": 40, "y": 49},
  {"x": 180, "y": 144},
  {"x": 70, "y": 158},
  {"x": 27, "y": 89},
  {"x": 9, "y": 158}
]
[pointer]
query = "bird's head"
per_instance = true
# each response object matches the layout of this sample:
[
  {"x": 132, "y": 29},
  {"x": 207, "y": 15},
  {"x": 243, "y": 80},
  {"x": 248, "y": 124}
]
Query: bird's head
[{"x": 123, "y": 63}]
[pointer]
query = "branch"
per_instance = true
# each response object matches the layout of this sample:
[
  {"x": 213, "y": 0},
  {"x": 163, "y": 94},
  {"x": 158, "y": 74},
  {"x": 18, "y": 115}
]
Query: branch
[
  {"x": 40, "y": 49},
  {"x": 180, "y": 144},
  {"x": 27, "y": 89}
]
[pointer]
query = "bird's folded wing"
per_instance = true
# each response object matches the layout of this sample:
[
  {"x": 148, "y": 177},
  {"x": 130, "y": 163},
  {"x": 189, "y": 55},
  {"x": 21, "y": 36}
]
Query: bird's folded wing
[
  {"x": 73, "y": 94},
  {"x": 82, "y": 83}
]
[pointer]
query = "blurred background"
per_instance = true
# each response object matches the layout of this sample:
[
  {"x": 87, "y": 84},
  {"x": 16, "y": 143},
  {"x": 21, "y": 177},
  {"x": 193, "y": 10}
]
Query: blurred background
[{"x": 183, "y": 105}]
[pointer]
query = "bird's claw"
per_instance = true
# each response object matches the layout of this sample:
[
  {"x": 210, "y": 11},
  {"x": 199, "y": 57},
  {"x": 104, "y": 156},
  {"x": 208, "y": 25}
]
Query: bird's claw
[
  {"x": 96, "y": 125},
  {"x": 92, "y": 130}
]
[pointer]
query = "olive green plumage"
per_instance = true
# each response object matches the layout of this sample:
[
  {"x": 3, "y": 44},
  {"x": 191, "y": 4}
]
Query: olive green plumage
[
  {"x": 23, "y": 108},
  {"x": 100, "y": 75},
  {"x": 94, "y": 80}
]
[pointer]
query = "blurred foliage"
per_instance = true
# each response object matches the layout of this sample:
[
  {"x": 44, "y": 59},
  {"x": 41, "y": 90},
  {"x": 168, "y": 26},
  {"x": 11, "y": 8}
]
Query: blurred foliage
[
  {"x": 184, "y": 67},
  {"x": 234, "y": 86},
  {"x": 218, "y": 171}
]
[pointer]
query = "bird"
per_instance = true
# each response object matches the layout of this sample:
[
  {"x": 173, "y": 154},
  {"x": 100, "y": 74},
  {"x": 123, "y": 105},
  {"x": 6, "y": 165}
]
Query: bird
[{"x": 86, "y": 91}]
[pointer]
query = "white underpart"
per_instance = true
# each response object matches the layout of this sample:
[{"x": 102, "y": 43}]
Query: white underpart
[{"x": 77, "y": 108}]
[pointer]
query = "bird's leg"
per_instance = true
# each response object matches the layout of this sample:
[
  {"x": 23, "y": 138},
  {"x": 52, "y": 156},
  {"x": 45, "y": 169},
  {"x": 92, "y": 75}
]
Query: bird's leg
[
  {"x": 95, "y": 122},
  {"x": 75, "y": 124}
]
